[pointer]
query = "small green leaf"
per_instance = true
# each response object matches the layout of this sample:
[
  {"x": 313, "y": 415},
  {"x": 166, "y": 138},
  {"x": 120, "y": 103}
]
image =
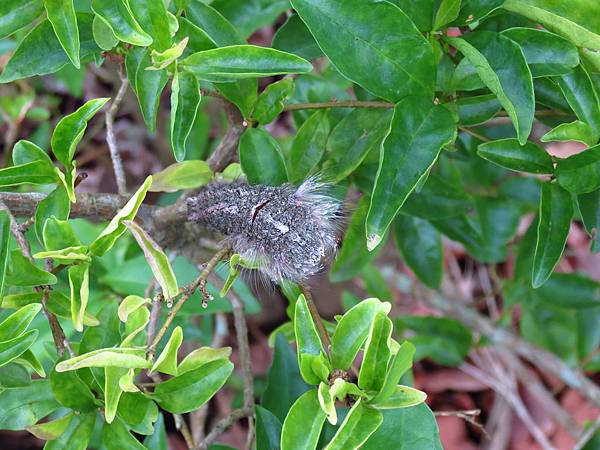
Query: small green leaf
[
  {"x": 77, "y": 434},
  {"x": 569, "y": 291},
  {"x": 572, "y": 131},
  {"x": 147, "y": 84},
  {"x": 185, "y": 101},
  {"x": 270, "y": 102},
  {"x": 421, "y": 246},
  {"x": 61, "y": 15},
  {"x": 268, "y": 429},
  {"x": 16, "y": 324},
  {"x": 103, "y": 34},
  {"x": 360, "y": 423},
  {"x": 69, "y": 130},
  {"x": 24, "y": 406},
  {"x": 130, "y": 304},
  {"x": 294, "y": 37},
  {"x": 116, "y": 228},
  {"x": 156, "y": 258},
  {"x": 327, "y": 403},
  {"x": 24, "y": 273},
  {"x": 352, "y": 331},
  {"x": 29, "y": 360},
  {"x": 378, "y": 34},
  {"x": 578, "y": 22},
  {"x": 127, "y": 358},
  {"x": 447, "y": 12},
  {"x": 198, "y": 38},
  {"x": 49, "y": 431},
  {"x": 237, "y": 62},
  {"x": 13, "y": 348},
  {"x": 71, "y": 391},
  {"x": 155, "y": 20},
  {"x": 418, "y": 132},
  {"x": 508, "y": 153},
  {"x": 261, "y": 158},
  {"x": 400, "y": 363},
  {"x": 183, "y": 175},
  {"x": 580, "y": 173},
  {"x": 307, "y": 339},
  {"x": 167, "y": 360},
  {"x": 477, "y": 109},
  {"x": 341, "y": 389},
  {"x": 308, "y": 146},
  {"x": 192, "y": 389},
  {"x": 377, "y": 354},
  {"x": 4, "y": 241},
  {"x": 135, "y": 325},
  {"x": 201, "y": 356},
  {"x": 511, "y": 83},
  {"x": 303, "y": 423},
  {"x": 60, "y": 304},
  {"x": 556, "y": 211},
  {"x": 547, "y": 54},
  {"x": 161, "y": 60},
  {"x": 79, "y": 285},
  {"x": 118, "y": 16},
  {"x": 16, "y": 15},
  {"x": 402, "y": 397},
  {"x": 116, "y": 435},
  {"x": 58, "y": 234},
  {"x": 112, "y": 391},
  {"x": 589, "y": 207},
  {"x": 56, "y": 204}
]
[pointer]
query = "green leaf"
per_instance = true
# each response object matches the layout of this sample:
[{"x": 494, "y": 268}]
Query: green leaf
[
  {"x": 268, "y": 429},
  {"x": 369, "y": 35},
  {"x": 508, "y": 153},
  {"x": 570, "y": 291},
  {"x": 307, "y": 339},
  {"x": 103, "y": 34},
  {"x": 194, "y": 388},
  {"x": 60, "y": 304},
  {"x": 130, "y": 304},
  {"x": 400, "y": 363},
  {"x": 61, "y": 15},
  {"x": 236, "y": 62},
  {"x": 360, "y": 423},
  {"x": 198, "y": 38},
  {"x": 4, "y": 241},
  {"x": 579, "y": 91},
  {"x": 377, "y": 354},
  {"x": 261, "y": 158},
  {"x": 40, "y": 52},
  {"x": 156, "y": 258},
  {"x": 116, "y": 436},
  {"x": 147, "y": 84},
  {"x": 447, "y": 12},
  {"x": 77, "y": 434},
  {"x": 341, "y": 389},
  {"x": 556, "y": 210},
  {"x": 56, "y": 204},
  {"x": 294, "y": 37},
  {"x": 161, "y": 60},
  {"x": 13, "y": 348},
  {"x": 308, "y": 146},
  {"x": 58, "y": 234},
  {"x": 270, "y": 102},
  {"x": 116, "y": 228},
  {"x": 352, "y": 331},
  {"x": 135, "y": 325},
  {"x": 478, "y": 109},
  {"x": 25, "y": 273},
  {"x": 112, "y": 391},
  {"x": 153, "y": 18},
  {"x": 421, "y": 246},
  {"x": 353, "y": 138},
  {"x": 303, "y": 424},
  {"x": 16, "y": 15},
  {"x": 80, "y": 292},
  {"x": 201, "y": 356},
  {"x": 157, "y": 440},
  {"x": 70, "y": 129},
  {"x": 402, "y": 397},
  {"x": 418, "y": 132},
  {"x": 589, "y": 208},
  {"x": 183, "y": 175},
  {"x": 572, "y": 131},
  {"x": 24, "y": 406},
  {"x": 138, "y": 412},
  {"x": 578, "y": 23},
  {"x": 126, "y": 358},
  {"x": 16, "y": 324},
  {"x": 118, "y": 16},
  {"x": 71, "y": 391},
  {"x": 284, "y": 382},
  {"x": 14, "y": 375},
  {"x": 249, "y": 15},
  {"x": 510, "y": 82},
  {"x": 547, "y": 54},
  {"x": 327, "y": 403},
  {"x": 185, "y": 101},
  {"x": 580, "y": 173},
  {"x": 38, "y": 172},
  {"x": 52, "y": 429},
  {"x": 444, "y": 340},
  {"x": 167, "y": 360}
]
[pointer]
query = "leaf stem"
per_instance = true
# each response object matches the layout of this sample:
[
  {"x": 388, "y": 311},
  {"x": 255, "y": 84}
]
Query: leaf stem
[
  {"x": 110, "y": 134},
  {"x": 339, "y": 104},
  {"x": 314, "y": 312},
  {"x": 476, "y": 135}
]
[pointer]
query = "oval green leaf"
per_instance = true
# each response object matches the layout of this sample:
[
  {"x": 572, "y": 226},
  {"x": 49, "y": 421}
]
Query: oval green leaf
[
  {"x": 580, "y": 173},
  {"x": 508, "y": 153},
  {"x": 118, "y": 16},
  {"x": 261, "y": 158},
  {"x": 360, "y": 423},
  {"x": 61, "y": 15},
  {"x": 303, "y": 423},
  {"x": 185, "y": 101}
]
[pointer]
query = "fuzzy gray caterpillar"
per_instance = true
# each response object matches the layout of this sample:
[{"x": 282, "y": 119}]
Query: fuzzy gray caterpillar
[{"x": 287, "y": 231}]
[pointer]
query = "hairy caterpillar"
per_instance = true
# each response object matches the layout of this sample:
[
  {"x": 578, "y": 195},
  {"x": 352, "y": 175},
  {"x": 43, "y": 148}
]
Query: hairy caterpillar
[{"x": 287, "y": 231}]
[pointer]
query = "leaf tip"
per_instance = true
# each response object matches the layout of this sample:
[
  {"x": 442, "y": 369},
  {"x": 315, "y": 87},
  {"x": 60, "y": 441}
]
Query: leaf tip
[{"x": 373, "y": 241}]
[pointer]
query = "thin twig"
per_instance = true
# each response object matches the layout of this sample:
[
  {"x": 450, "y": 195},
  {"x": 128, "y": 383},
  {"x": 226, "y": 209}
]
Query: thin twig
[
  {"x": 187, "y": 292},
  {"x": 339, "y": 104},
  {"x": 110, "y": 134},
  {"x": 468, "y": 415},
  {"x": 222, "y": 425},
  {"x": 476, "y": 135},
  {"x": 314, "y": 312},
  {"x": 182, "y": 426}
]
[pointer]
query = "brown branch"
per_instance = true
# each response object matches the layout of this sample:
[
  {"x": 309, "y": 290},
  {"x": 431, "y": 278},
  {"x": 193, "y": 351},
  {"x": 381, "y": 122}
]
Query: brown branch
[
  {"x": 339, "y": 104},
  {"x": 111, "y": 140},
  {"x": 314, "y": 312},
  {"x": 476, "y": 135},
  {"x": 222, "y": 425}
]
